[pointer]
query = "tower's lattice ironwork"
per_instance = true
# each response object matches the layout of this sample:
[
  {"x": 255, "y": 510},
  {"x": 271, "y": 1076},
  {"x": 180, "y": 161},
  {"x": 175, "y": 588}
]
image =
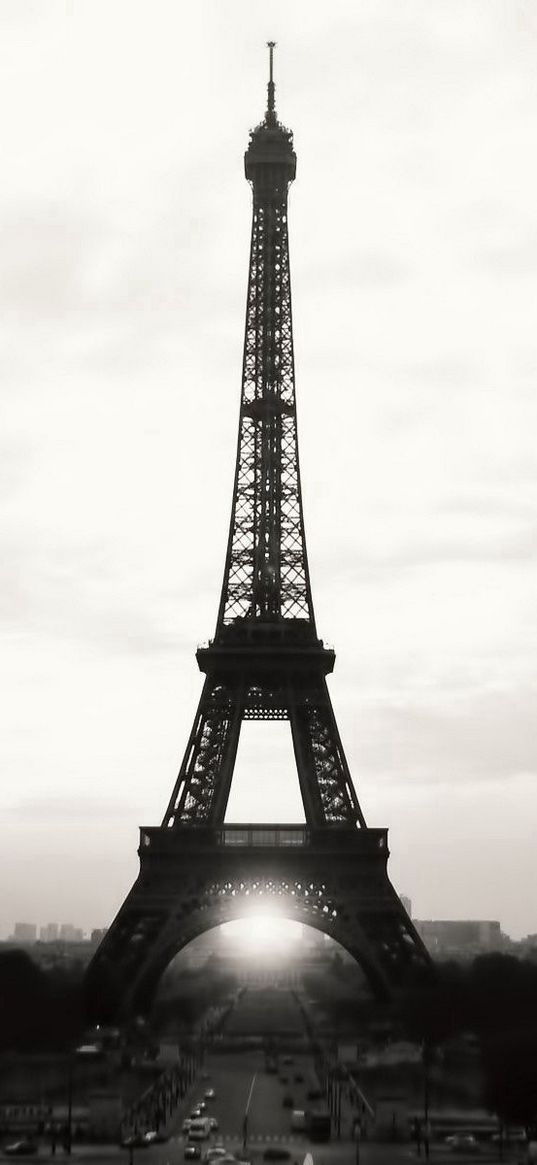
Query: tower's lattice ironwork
[{"x": 265, "y": 662}]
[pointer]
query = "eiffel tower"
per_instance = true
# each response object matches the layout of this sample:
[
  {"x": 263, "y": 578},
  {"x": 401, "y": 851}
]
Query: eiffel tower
[{"x": 265, "y": 662}]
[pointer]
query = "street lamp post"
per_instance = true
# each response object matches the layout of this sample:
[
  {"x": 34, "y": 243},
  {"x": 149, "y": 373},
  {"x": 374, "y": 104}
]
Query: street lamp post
[
  {"x": 69, "y": 1128},
  {"x": 426, "y": 1098},
  {"x": 357, "y": 1134}
]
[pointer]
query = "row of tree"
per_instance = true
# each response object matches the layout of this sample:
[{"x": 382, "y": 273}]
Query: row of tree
[
  {"x": 185, "y": 996},
  {"x": 493, "y": 999},
  {"x": 46, "y": 1010},
  {"x": 39, "y": 1010}
]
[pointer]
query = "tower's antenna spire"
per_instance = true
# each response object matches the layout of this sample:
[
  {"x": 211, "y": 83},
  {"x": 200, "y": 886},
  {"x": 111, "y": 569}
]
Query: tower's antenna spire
[{"x": 270, "y": 107}]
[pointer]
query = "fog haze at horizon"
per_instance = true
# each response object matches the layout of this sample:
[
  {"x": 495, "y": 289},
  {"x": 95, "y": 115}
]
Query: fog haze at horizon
[{"x": 125, "y": 221}]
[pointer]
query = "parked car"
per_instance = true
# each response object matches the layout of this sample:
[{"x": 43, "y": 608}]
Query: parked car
[
  {"x": 186, "y": 1124},
  {"x": 216, "y": 1153},
  {"x": 462, "y": 1143},
  {"x": 214, "y": 1124},
  {"x": 192, "y": 1152},
  {"x": 298, "y": 1078},
  {"x": 23, "y": 1148},
  {"x": 276, "y": 1153},
  {"x": 288, "y": 1100},
  {"x": 514, "y": 1136}
]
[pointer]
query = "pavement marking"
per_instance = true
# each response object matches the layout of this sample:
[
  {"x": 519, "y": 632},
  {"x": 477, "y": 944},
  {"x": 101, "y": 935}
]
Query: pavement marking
[{"x": 254, "y": 1077}]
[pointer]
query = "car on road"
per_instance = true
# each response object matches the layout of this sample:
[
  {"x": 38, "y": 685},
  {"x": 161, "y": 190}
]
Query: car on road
[
  {"x": 210, "y": 1094},
  {"x": 462, "y": 1143},
  {"x": 201, "y": 1104},
  {"x": 192, "y": 1152},
  {"x": 195, "y": 1113},
  {"x": 200, "y": 1129},
  {"x": 216, "y": 1153},
  {"x": 152, "y": 1137},
  {"x": 134, "y": 1141},
  {"x": 23, "y": 1148},
  {"x": 214, "y": 1124}
]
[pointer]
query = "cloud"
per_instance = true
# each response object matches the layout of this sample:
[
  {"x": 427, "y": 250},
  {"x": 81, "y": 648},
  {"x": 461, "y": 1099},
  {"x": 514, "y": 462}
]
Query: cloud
[
  {"x": 491, "y": 737},
  {"x": 517, "y": 258},
  {"x": 364, "y": 269},
  {"x": 51, "y": 809},
  {"x": 81, "y": 594}
]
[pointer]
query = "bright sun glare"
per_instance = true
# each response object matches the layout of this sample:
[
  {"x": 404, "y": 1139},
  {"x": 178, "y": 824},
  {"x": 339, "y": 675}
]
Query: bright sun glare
[{"x": 263, "y": 932}]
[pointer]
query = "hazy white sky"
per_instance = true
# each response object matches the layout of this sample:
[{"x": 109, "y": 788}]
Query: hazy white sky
[{"x": 125, "y": 221}]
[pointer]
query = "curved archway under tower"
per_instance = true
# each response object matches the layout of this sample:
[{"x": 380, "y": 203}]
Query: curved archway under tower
[
  {"x": 336, "y": 884},
  {"x": 261, "y": 978}
]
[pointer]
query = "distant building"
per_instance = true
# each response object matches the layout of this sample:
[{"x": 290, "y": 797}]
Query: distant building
[
  {"x": 407, "y": 904},
  {"x": 527, "y": 947},
  {"x": 49, "y": 933},
  {"x": 25, "y": 932},
  {"x": 71, "y": 934},
  {"x": 461, "y": 938},
  {"x": 97, "y": 935}
]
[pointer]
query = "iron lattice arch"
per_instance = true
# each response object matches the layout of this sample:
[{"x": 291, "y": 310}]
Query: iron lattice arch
[
  {"x": 218, "y": 876},
  {"x": 309, "y": 902}
]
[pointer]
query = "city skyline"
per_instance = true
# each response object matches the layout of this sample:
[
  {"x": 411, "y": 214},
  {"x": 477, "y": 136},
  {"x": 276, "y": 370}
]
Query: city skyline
[{"x": 413, "y": 263}]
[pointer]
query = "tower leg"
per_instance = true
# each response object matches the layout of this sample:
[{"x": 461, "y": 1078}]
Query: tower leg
[{"x": 202, "y": 788}]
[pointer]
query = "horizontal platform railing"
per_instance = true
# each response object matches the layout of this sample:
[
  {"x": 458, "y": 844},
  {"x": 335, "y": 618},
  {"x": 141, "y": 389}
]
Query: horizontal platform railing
[
  {"x": 249, "y": 835},
  {"x": 262, "y": 835}
]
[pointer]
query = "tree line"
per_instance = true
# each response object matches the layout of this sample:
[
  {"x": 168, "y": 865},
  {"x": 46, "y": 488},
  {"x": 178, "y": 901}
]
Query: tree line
[{"x": 493, "y": 999}]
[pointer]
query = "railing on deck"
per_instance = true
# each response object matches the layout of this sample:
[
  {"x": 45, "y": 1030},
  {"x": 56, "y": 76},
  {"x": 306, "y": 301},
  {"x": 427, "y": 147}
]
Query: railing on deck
[
  {"x": 163, "y": 840},
  {"x": 262, "y": 835}
]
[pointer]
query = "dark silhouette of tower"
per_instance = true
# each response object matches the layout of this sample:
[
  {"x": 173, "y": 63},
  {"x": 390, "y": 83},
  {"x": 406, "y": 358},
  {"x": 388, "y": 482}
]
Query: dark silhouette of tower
[{"x": 265, "y": 662}]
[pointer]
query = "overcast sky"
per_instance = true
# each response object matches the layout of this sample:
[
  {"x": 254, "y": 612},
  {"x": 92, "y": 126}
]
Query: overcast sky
[{"x": 125, "y": 221}]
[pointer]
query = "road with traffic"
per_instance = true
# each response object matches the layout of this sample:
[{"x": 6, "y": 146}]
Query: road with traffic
[{"x": 254, "y": 1123}]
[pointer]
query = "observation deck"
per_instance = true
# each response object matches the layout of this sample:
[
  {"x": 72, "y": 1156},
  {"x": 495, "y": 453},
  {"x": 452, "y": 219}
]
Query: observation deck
[{"x": 266, "y": 649}]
